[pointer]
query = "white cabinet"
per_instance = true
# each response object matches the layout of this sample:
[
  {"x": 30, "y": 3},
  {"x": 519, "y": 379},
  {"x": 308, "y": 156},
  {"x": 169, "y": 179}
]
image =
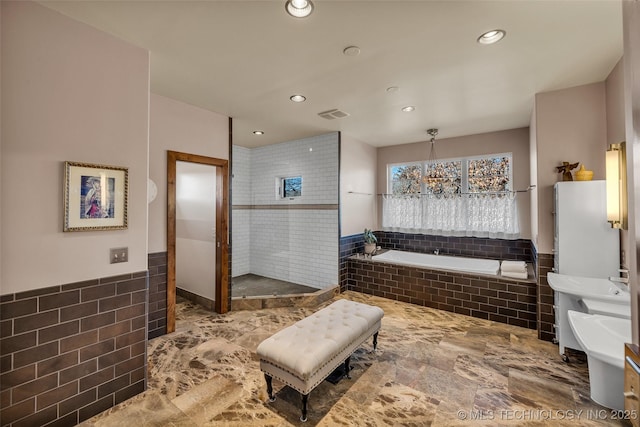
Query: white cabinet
[{"x": 584, "y": 245}]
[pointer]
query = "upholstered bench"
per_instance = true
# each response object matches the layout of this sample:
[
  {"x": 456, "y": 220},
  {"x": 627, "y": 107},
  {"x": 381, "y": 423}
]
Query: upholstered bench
[{"x": 305, "y": 353}]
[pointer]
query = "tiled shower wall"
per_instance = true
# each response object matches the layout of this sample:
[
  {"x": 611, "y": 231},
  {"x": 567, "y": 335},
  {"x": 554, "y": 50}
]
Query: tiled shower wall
[
  {"x": 69, "y": 352},
  {"x": 293, "y": 240},
  {"x": 241, "y": 218}
]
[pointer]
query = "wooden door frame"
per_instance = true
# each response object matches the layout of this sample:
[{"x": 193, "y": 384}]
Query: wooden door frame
[{"x": 222, "y": 231}]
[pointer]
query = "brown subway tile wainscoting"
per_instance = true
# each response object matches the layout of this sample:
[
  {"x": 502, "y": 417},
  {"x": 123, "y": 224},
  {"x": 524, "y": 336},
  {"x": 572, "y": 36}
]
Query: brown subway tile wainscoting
[
  {"x": 349, "y": 246},
  {"x": 69, "y": 352},
  {"x": 509, "y": 301},
  {"x": 546, "y": 315},
  {"x": 157, "y": 294}
]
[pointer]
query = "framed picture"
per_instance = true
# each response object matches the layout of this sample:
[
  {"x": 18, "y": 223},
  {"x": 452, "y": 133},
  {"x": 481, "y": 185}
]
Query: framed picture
[{"x": 95, "y": 197}]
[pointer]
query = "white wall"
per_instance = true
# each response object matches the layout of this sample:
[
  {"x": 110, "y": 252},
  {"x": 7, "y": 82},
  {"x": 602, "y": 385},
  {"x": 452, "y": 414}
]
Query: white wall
[
  {"x": 69, "y": 92},
  {"x": 533, "y": 177},
  {"x": 614, "y": 88},
  {"x": 631, "y": 18},
  {"x": 357, "y": 186},
  {"x": 177, "y": 126},
  {"x": 570, "y": 126}
]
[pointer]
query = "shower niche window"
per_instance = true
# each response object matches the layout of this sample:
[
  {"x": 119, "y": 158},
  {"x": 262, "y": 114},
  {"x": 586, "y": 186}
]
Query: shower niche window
[{"x": 289, "y": 187}]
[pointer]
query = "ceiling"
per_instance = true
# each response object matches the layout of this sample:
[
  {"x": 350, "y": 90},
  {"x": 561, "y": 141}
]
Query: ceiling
[{"x": 244, "y": 59}]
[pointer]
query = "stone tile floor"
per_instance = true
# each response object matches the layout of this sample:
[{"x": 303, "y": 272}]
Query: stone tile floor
[{"x": 432, "y": 368}]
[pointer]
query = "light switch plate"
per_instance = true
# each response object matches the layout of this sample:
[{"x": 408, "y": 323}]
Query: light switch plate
[{"x": 118, "y": 255}]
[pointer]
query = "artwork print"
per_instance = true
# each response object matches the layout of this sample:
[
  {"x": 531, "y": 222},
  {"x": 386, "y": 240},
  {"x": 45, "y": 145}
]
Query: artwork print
[
  {"x": 95, "y": 197},
  {"x": 98, "y": 197}
]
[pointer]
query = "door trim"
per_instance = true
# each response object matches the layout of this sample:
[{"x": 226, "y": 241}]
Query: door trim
[{"x": 222, "y": 231}]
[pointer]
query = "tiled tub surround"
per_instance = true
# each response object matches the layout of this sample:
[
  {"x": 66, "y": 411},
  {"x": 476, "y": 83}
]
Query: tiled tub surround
[
  {"x": 69, "y": 352},
  {"x": 349, "y": 246},
  {"x": 157, "y": 294},
  {"x": 474, "y": 247},
  {"x": 507, "y": 301}
]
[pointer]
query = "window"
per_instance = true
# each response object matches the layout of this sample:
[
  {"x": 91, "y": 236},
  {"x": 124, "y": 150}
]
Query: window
[
  {"x": 289, "y": 187},
  {"x": 486, "y": 174},
  {"x": 443, "y": 177},
  {"x": 489, "y": 174},
  {"x": 405, "y": 179},
  {"x": 470, "y": 196}
]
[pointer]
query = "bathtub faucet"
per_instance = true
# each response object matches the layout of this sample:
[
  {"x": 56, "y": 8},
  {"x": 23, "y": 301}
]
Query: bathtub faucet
[
  {"x": 436, "y": 252},
  {"x": 624, "y": 279}
]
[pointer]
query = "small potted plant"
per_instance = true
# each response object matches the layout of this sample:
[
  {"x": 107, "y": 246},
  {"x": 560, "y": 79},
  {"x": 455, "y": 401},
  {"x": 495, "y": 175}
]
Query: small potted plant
[{"x": 370, "y": 241}]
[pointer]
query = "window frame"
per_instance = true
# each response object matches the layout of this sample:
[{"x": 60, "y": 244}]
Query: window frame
[
  {"x": 464, "y": 169},
  {"x": 390, "y": 166},
  {"x": 465, "y": 184},
  {"x": 280, "y": 187}
]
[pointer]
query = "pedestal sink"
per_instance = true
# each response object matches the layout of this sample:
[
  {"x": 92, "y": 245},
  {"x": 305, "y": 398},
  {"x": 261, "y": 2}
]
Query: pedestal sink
[
  {"x": 589, "y": 287},
  {"x": 569, "y": 291}
]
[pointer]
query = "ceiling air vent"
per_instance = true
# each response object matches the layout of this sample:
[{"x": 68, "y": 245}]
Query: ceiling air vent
[{"x": 333, "y": 114}]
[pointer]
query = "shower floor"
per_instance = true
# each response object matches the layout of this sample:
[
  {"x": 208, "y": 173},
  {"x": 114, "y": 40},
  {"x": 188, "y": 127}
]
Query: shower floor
[{"x": 252, "y": 285}]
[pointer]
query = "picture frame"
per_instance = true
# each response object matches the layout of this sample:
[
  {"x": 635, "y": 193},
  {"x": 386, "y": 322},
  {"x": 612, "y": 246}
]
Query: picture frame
[{"x": 95, "y": 197}]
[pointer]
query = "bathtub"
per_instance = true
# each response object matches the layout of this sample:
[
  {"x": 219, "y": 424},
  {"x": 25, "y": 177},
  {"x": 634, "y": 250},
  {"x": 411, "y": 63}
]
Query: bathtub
[{"x": 454, "y": 263}]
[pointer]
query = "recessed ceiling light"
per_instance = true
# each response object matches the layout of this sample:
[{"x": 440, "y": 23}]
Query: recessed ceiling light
[
  {"x": 258, "y": 132},
  {"x": 299, "y": 8},
  {"x": 298, "y": 98},
  {"x": 351, "y": 51},
  {"x": 408, "y": 108},
  {"x": 491, "y": 37}
]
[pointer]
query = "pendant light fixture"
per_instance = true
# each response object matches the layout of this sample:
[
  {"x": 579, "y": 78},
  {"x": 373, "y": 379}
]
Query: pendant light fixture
[
  {"x": 430, "y": 174},
  {"x": 299, "y": 8}
]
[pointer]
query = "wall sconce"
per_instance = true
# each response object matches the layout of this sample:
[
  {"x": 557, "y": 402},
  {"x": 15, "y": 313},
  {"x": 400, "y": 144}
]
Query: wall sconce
[{"x": 617, "y": 186}]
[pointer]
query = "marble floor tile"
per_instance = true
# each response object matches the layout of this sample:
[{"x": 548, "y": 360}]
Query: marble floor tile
[{"x": 431, "y": 368}]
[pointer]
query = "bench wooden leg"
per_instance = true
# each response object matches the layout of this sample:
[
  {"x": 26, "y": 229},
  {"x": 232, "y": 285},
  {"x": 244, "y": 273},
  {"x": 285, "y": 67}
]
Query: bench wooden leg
[
  {"x": 272, "y": 398},
  {"x": 375, "y": 341},
  {"x": 347, "y": 368},
  {"x": 305, "y": 398}
]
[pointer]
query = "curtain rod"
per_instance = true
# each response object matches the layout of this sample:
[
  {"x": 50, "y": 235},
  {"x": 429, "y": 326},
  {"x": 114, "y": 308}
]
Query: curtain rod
[{"x": 529, "y": 188}]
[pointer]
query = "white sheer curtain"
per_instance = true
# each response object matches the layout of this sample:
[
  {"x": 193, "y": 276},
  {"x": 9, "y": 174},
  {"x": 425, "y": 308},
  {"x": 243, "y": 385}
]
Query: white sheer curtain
[{"x": 472, "y": 215}]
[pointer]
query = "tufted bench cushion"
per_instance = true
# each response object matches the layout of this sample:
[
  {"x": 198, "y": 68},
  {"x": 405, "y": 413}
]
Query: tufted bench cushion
[{"x": 305, "y": 353}]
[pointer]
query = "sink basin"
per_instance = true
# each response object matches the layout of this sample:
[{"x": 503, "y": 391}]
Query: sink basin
[
  {"x": 589, "y": 287},
  {"x": 605, "y": 308}
]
